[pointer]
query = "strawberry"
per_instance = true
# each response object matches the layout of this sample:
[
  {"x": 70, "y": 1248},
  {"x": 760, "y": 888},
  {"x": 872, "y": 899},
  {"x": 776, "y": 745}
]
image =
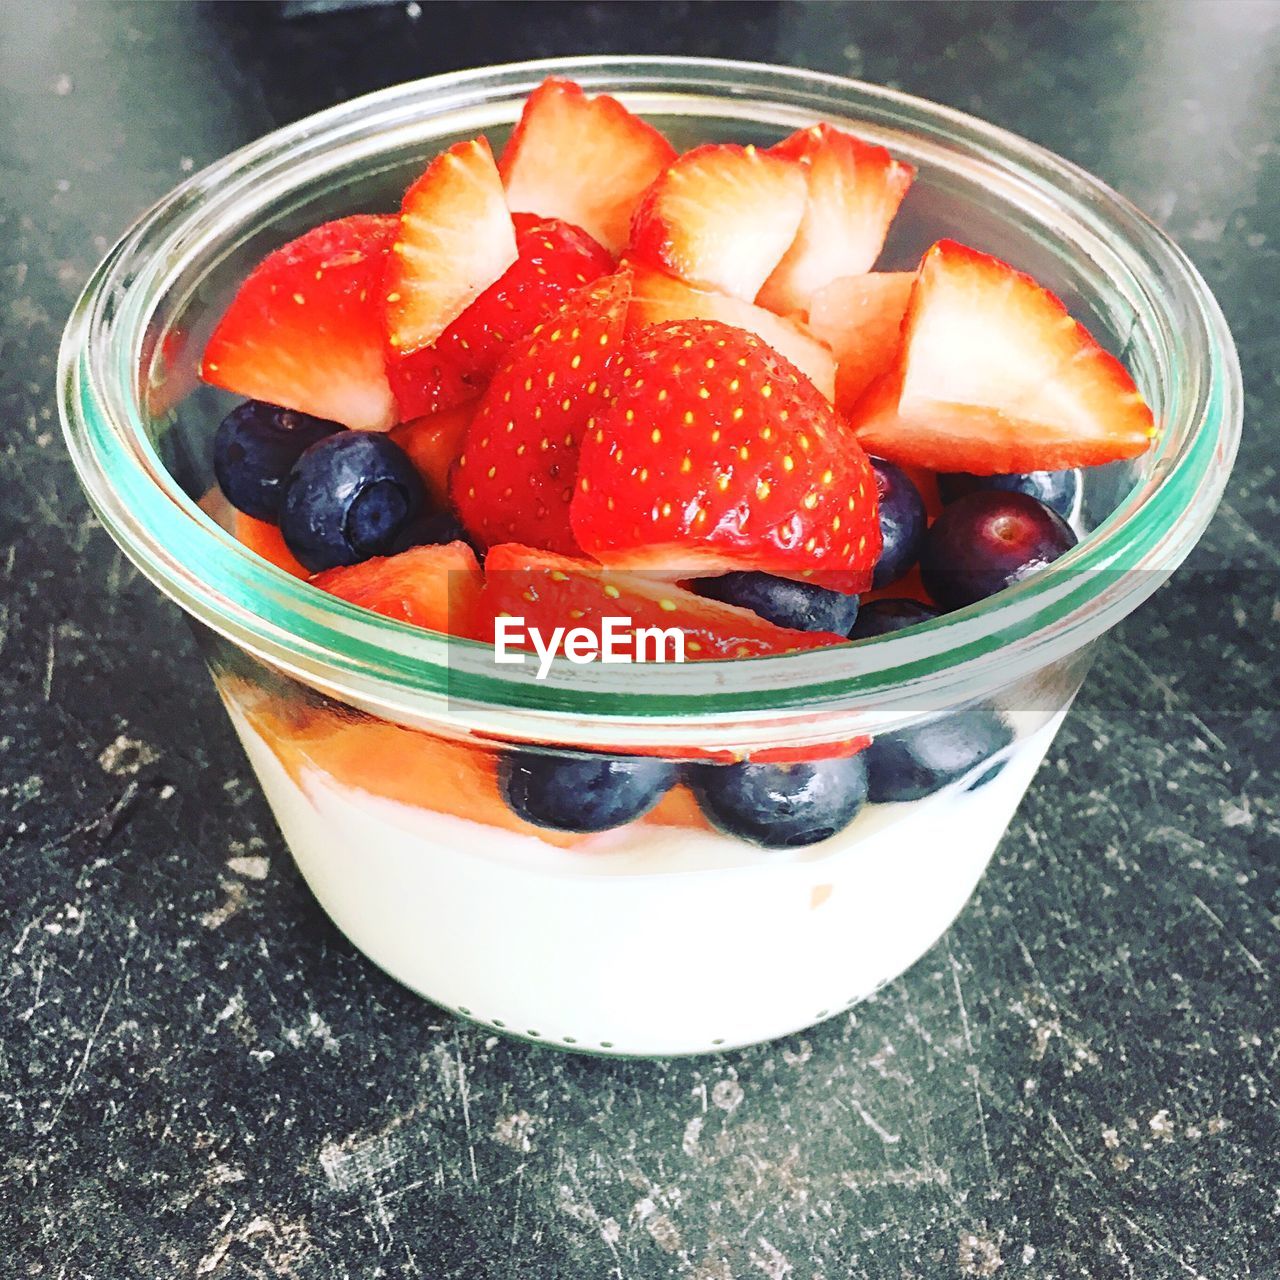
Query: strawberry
[
  {"x": 514, "y": 478},
  {"x": 305, "y": 329},
  {"x": 455, "y": 239},
  {"x": 855, "y": 189},
  {"x": 658, "y": 298},
  {"x": 721, "y": 217},
  {"x": 555, "y": 259},
  {"x": 860, "y": 319},
  {"x": 585, "y": 160},
  {"x": 436, "y": 587},
  {"x": 550, "y": 591},
  {"x": 994, "y": 376},
  {"x": 267, "y": 540},
  {"x": 718, "y": 454},
  {"x": 433, "y": 443}
]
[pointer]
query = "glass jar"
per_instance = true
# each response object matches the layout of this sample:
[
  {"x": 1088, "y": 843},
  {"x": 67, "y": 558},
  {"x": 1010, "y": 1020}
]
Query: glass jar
[{"x": 382, "y": 749}]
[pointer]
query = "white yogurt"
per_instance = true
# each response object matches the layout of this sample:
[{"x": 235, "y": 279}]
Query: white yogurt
[{"x": 650, "y": 940}]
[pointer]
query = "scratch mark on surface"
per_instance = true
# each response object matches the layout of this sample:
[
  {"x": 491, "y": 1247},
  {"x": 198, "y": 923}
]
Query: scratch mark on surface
[
  {"x": 464, "y": 1096},
  {"x": 971, "y": 1067},
  {"x": 1172, "y": 697},
  {"x": 1254, "y": 963},
  {"x": 48, "y": 664},
  {"x": 873, "y": 1124}
]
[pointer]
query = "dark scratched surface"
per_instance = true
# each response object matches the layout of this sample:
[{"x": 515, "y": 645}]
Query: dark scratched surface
[{"x": 199, "y": 1078}]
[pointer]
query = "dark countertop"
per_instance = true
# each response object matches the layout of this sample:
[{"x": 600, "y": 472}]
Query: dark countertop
[{"x": 200, "y": 1078}]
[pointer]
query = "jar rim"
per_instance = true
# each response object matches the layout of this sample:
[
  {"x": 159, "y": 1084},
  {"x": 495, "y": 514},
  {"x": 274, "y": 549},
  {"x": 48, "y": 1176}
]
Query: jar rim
[{"x": 406, "y": 674}]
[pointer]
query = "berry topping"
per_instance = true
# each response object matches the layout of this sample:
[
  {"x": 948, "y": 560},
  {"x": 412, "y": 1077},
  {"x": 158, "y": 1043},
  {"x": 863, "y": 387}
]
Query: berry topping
[
  {"x": 514, "y": 478},
  {"x": 435, "y": 587},
  {"x": 782, "y": 806},
  {"x": 254, "y": 449},
  {"x": 717, "y": 454},
  {"x": 903, "y": 522},
  {"x": 433, "y": 443},
  {"x": 455, "y": 239},
  {"x": 555, "y": 260},
  {"x": 916, "y": 762},
  {"x": 994, "y": 377},
  {"x": 855, "y": 189},
  {"x": 586, "y": 160},
  {"x": 785, "y": 602},
  {"x": 305, "y": 329},
  {"x": 721, "y": 217},
  {"x": 582, "y": 792},
  {"x": 988, "y": 541},
  {"x": 1058, "y": 490},
  {"x": 860, "y": 319},
  {"x": 266, "y": 540},
  {"x": 885, "y": 616},
  {"x": 348, "y": 498}
]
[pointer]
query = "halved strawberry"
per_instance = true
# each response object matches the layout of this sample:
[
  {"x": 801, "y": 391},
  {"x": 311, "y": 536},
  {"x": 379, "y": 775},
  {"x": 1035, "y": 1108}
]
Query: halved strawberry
[
  {"x": 855, "y": 189},
  {"x": 658, "y": 298},
  {"x": 550, "y": 591},
  {"x": 585, "y": 160},
  {"x": 860, "y": 318},
  {"x": 455, "y": 239},
  {"x": 994, "y": 376},
  {"x": 305, "y": 329},
  {"x": 718, "y": 454},
  {"x": 514, "y": 478},
  {"x": 267, "y": 540},
  {"x": 435, "y": 587},
  {"x": 721, "y": 217},
  {"x": 555, "y": 259},
  {"x": 433, "y": 443}
]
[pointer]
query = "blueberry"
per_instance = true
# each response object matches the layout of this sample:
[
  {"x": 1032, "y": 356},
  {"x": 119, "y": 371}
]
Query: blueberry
[
  {"x": 783, "y": 601},
  {"x": 781, "y": 806},
  {"x": 882, "y": 617},
  {"x": 916, "y": 762},
  {"x": 1058, "y": 490},
  {"x": 349, "y": 497},
  {"x": 254, "y": 449},
  {"x": 987, "y": 541},
  {"x": 582, "y": 792},
  {"x": 903, "y": 522}
]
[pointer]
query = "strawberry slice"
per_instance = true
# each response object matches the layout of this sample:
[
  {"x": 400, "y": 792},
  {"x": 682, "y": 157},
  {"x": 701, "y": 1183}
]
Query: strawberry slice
[
  {"x": 305, "y": 329},
  {"x": 555, "y": 260},
  {"x": 435, "y": 587},
  {"x": 585, "y": 160},
  {"x": 267, "y": 540},
  {"x": 994, "y": 376},
  {"x": 433, "y": 443},
  {"x": 550, "y": 591},
  {"x": 855, "y": 189},
  {"x": 721, "y": 217},
  {"x": 860, "y": 319},
  {"x": 718, "y": 454},
  {"x": 514, "y": 478},
  {"x": 455, "y": 239},
  {"x": 658, "y": 298}
]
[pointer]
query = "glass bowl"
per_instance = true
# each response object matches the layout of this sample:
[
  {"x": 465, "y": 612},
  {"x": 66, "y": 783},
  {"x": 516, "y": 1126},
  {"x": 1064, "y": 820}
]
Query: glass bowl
[{"x": 382, "y": 748}]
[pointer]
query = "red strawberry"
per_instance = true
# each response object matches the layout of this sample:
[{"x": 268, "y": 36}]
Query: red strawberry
[
  {"x": 555, "y": 259},
  {"x": 456, "y": 238},
  {"x": 860, "y": 318},
  {"x": 721, "y": 217},
  {"x": 658, "y": 298},
  {"x": 586, "y": 160},
  {"x": 717, "y": 454},
  {"x": 305, "y": 329},
  {"x": 550, "y": 591},
  {"x": 855, "y": 189},
  {"x": 433, "y": 587},
  {"x": 994, "y": 376},
  {"x": 514, "y": 478},
  {"x": 433, "y": 443}
]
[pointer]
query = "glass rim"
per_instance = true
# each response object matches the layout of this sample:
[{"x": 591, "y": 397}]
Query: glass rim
[{"x": 401, "y": 672}]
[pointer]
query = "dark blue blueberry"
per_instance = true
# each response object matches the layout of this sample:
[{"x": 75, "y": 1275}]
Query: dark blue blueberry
[
  {"x": 348, "y": 498},
  {"x": 254, "y": 450},
  {"x": 1058, "y": 490},
  {"x": 582, "y": 792},
  {"x": 781, "y": 806},
  {"x": 782, "y": 601},
  {"x": 430, "y": 529},
  {"x": 883, "y": 617},
  {"x": 918, "y": 761},
  {"x": 987, "y": 541},
  {"x": 903, "y": 522}
]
